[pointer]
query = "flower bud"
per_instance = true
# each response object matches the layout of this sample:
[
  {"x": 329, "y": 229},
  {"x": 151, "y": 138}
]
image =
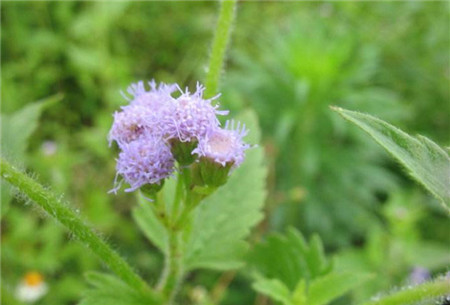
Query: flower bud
[
  {"x": 150, "y": 190},
  {"x": 208, "y": 172},
  {"x": 220, "y": 151},
  {"x": 182, "y": 151}
]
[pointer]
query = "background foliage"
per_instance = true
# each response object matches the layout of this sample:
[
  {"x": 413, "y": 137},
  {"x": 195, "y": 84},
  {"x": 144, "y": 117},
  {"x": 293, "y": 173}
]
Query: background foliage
[{"x": 288, "y": 61}]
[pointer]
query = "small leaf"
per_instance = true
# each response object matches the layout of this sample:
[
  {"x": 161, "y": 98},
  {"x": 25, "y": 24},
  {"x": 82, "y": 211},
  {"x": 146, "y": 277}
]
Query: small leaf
[
  {"x": 112, "y": 291},
  {"x": 223, "y": 220},
  {"x": 299, "y": 295},
  {"x": 275, "y": 289},
  {"x": 147, "y": 221},
  {"x": 427, "y": 163},
  {"x": 325, "y": 289},
  {"x": 295, "y": 259},
  {"x": 16, "y": 129},
  {"x": 316, "y": 257}
]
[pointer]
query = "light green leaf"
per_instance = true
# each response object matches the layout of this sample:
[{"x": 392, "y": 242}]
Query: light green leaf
[
  {"x": 112, "y": 291},
  {"x": 223, "y": 220},
  {"x": 299, "y": 296},
  {"x": 325, "y": 289},
  {"x": 16, "y": 129},
  {"x": 425, "y": 160},
  {"x": 147, "y": 221},
  {"x": 275, "y": 289},
  {"x": 294, "y": 258}
]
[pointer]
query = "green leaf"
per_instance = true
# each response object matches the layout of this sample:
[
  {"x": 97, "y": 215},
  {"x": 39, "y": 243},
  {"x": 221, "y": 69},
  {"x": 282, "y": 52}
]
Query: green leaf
[
  {"x": 222, "y": 221},
  {"x": 273, "y": 288},
  {"x": 16, "y": 129},
  {"x": 110, "y": 290},
  {"x": 426, "y": 162},
  {"x": 150, "y": 225},
  {"x": 325, "y": 289},
  {"x": 299, "y": 296},
  {"x": 295, "y": 259}
]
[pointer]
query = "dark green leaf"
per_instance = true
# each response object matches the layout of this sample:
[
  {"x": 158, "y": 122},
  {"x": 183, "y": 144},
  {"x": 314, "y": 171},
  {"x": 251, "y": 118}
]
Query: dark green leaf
[
  {"x": 275, "y": 289},
  {"x": 295, "y": 259},
  {"x": 325, "y": 289},
  {"x": 108, "y": 289},
  {"x": 427, "y": 163}
]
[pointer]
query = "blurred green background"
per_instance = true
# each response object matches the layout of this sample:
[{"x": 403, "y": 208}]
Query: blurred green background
[{"x": 288, "y": 61}]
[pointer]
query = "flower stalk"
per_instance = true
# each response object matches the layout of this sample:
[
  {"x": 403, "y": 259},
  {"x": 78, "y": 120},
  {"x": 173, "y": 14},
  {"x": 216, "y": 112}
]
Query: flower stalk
[
  {"x": 219, "y": 45},
  {"x": 173, "y": 268},
  {"x": 51, "y": 204},
  {"x": 427, "y": 291},
  {"x": 172, "y": 274}
]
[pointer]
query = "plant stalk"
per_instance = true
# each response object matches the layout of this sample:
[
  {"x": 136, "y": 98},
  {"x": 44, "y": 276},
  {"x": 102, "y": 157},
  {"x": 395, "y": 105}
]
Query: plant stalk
[
  {"x": 423, "y": 292},
  {"x": 173, "y": 268},
  {"x": 72, "y": 221},
  {"x": 219, "y": 46}
]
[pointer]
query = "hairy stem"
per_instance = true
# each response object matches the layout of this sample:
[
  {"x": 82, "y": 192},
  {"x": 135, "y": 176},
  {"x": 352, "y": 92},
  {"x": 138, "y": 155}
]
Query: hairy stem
[
  {"x": 219, "y": 45},
  {"x": 424, "y": 292},
  {"x": 177, "y": 200},
  {"x": 173, "y": 269},
  {"x": 54, "y": 206}
]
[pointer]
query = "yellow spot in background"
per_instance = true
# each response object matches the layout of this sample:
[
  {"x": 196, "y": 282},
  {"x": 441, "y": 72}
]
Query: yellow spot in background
[{"x": 33, "y": 278}]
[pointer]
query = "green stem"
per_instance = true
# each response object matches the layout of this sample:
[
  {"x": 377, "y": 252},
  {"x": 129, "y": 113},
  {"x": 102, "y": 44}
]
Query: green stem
[
  {"x": 219, "y": 45},
  {"x": 186, "y": 175},
  {"x": 173, "y": 268},
  {"x": 159, "y": 208},
  {"x": 71, "y": 220},
  {"x": 423, "y": 292},
  {"x": 181, "y": 221},
  {"x": 177, "y": 200}
]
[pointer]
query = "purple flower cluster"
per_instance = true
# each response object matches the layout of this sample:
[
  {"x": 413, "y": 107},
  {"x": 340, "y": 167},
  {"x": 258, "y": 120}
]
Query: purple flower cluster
[{"x": 154, "y": 121}]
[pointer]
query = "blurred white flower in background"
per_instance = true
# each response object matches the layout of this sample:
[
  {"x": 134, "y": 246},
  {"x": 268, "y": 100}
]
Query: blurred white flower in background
[{"x": 31, "y": 288}]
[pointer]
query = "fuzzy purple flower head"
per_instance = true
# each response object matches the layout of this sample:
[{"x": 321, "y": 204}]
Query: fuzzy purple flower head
[
  {"x": 190, "y": 116},
  {"x": 155, "y": 98},
  {"x": 224, "y": 146},
  {"x": 132, "y": 123},
  {"x": 142, "y": 116},
  {"x": 145, "y": 161}
]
